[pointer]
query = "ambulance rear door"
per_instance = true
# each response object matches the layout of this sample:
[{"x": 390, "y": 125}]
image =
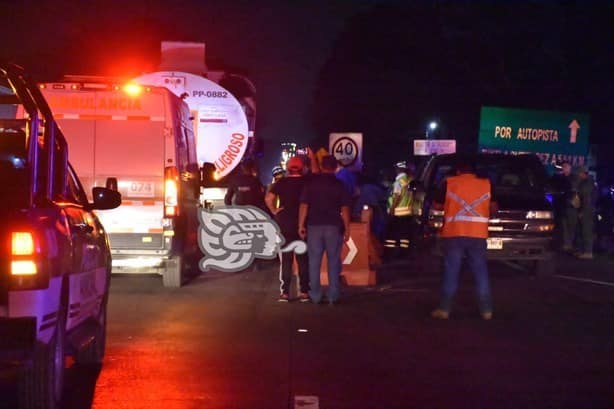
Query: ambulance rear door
[{"x": 130, "y": 146}]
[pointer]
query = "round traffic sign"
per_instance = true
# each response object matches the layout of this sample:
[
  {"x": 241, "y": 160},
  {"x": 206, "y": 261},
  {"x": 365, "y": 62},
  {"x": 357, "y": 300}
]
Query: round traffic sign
[{"x": 345, "y": 150}]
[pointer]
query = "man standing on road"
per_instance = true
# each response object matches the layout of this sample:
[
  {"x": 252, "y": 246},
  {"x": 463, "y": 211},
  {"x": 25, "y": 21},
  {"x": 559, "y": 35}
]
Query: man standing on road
[
  {"x": 278, "y": 173},
  {"x": 467, "y": 206},
  {"x": 569, "y": 207},
  {"x": 398, "y": 229},
  {"x": 245, "y": 188},
  {"x": 324, "y": 219},
  {"x": 561, "y": 184},
  {"x": 287, "y": 192},
  {"x": 586, "y": 213}
]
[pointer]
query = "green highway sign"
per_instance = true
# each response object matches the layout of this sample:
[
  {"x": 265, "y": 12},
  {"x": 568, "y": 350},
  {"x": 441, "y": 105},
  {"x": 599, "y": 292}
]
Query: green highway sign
[{"x": 553, "y": 136}]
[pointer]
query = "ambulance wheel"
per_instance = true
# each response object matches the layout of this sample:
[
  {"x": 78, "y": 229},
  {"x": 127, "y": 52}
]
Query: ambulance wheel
[
  {"x": 173, "y": 272},
  {"x": 41, "y": 384}
]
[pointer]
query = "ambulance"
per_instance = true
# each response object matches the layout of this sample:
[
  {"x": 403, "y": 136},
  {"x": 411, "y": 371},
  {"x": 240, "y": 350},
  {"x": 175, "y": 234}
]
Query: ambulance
[{"x": 140, "y": 141}]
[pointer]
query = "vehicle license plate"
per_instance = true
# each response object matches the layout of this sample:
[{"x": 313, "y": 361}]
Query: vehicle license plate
[
  {"x": 494, "y": 243},
  {"x": 141, "y": 189}
]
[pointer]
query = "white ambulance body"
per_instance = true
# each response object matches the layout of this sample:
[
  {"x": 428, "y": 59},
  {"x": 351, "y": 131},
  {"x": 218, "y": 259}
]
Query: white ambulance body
[{"x": 143, "y": 136}]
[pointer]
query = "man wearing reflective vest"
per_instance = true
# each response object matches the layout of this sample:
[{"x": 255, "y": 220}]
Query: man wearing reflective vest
[
  {"x": 399, "y": 228},
  {"x": 467, "y": 206}
]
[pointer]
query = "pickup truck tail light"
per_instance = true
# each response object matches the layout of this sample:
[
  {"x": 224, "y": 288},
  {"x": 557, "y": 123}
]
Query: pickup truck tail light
[
  {"x": 171, "y": 191},
  {"x": 28, "y": 266},
  {"x": 23, "y": 261}
]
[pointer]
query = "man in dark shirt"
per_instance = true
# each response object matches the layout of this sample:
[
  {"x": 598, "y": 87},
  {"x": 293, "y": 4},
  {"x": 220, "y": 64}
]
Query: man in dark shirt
[
  {"x": 564, "y": 185},
  {"x": 324, "y": 219},
  {"x": 586, "y": 212},
  {"x": 288, "y": 192},
  {"x": 246, "y": 188}
]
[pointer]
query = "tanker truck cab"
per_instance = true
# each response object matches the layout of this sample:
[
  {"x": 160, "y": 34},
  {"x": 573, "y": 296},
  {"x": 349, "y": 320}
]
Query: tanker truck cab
[{"x": 140, "y": 141}]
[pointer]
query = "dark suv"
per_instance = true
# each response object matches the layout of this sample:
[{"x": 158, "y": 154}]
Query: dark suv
[
  {"x": 520, "y": 231},
  {"x": 55, "y": 262}
]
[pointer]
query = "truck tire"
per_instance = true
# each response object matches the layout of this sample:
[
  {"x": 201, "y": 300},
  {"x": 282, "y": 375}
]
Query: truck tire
[
  {"x": 544, "y": 268},
  {"x": 93, "y": 354},
  {"x": 173, "y": 272},
  {"x": 40, "y": 386},
  {"x": 191, "y": 262}
]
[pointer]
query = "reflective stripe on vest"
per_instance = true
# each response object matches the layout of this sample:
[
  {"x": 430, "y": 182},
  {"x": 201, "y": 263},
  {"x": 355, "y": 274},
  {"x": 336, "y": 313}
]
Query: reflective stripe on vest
[
  {"x": 401, "y": 185},
  {"x": 467, "y": 208}
]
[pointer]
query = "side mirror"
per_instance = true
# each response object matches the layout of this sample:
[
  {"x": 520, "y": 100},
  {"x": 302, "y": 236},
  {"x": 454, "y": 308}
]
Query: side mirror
[
  {"x": 105, "y": 198},
  {"x": 207, "y": 174}
]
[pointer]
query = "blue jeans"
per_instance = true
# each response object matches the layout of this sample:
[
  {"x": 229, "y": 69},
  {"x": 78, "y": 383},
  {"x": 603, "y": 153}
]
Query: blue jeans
[
  {"x": 475, "y": 249},
  {"x": 320, "y": 239}
]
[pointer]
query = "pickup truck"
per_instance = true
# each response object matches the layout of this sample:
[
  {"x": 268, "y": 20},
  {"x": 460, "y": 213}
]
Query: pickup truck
[
  {"x": 55, "y": 262},
  {"x": 521, "y": 231}
]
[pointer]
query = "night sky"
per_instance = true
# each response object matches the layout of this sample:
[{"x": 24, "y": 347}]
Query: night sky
[{"x": 384, "y": 68}]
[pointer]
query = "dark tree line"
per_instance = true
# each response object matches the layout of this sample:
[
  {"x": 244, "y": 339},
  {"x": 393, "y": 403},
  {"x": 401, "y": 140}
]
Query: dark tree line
[{"x": 395, "y": 67}]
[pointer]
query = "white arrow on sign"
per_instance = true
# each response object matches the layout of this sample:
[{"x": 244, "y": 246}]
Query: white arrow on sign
[
  {"x": 573, "y": 131},
  {"x": 352, "y": 253}
]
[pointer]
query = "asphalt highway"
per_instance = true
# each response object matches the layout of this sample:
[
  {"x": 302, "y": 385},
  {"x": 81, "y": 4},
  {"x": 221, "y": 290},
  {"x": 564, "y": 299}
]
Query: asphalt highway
[{"x": 224, "y": 341}]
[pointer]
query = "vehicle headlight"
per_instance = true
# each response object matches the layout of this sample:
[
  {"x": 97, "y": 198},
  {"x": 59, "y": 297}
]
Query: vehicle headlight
[
  {"x": 436, "y": 224},
  {"x": 539, "y": 214}
]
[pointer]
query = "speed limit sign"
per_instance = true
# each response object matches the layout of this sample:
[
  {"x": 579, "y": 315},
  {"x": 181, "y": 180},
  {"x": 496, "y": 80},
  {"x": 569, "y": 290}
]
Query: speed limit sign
[{"x": 347, "y": 149}]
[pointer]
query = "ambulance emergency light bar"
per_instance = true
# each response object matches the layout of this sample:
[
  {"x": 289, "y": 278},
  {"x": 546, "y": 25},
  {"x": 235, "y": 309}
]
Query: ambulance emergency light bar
[{"x": 130, "y": 88}]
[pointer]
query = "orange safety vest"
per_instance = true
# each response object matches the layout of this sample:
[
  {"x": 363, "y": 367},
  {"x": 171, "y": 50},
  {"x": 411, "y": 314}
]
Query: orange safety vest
[{"x": 467, "y": 207}]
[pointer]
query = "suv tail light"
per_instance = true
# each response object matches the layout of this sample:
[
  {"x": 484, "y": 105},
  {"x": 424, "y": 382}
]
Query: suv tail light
[
  {"x": 171, "y": 191},
  {"x": 22, "y": 254}
]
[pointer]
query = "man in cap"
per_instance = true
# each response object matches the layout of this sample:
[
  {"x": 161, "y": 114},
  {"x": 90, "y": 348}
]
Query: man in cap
[
  {"x": 283, "y": 200},
  {"x": 399, "y": 210},
  {"x": 324, "y": 219},
  {"x": 278, "y": 173}
]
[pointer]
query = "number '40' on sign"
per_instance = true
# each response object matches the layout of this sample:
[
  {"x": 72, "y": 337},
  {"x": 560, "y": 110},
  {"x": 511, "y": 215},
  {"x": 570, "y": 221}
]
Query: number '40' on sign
[{"x": 345, "y": 151}]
